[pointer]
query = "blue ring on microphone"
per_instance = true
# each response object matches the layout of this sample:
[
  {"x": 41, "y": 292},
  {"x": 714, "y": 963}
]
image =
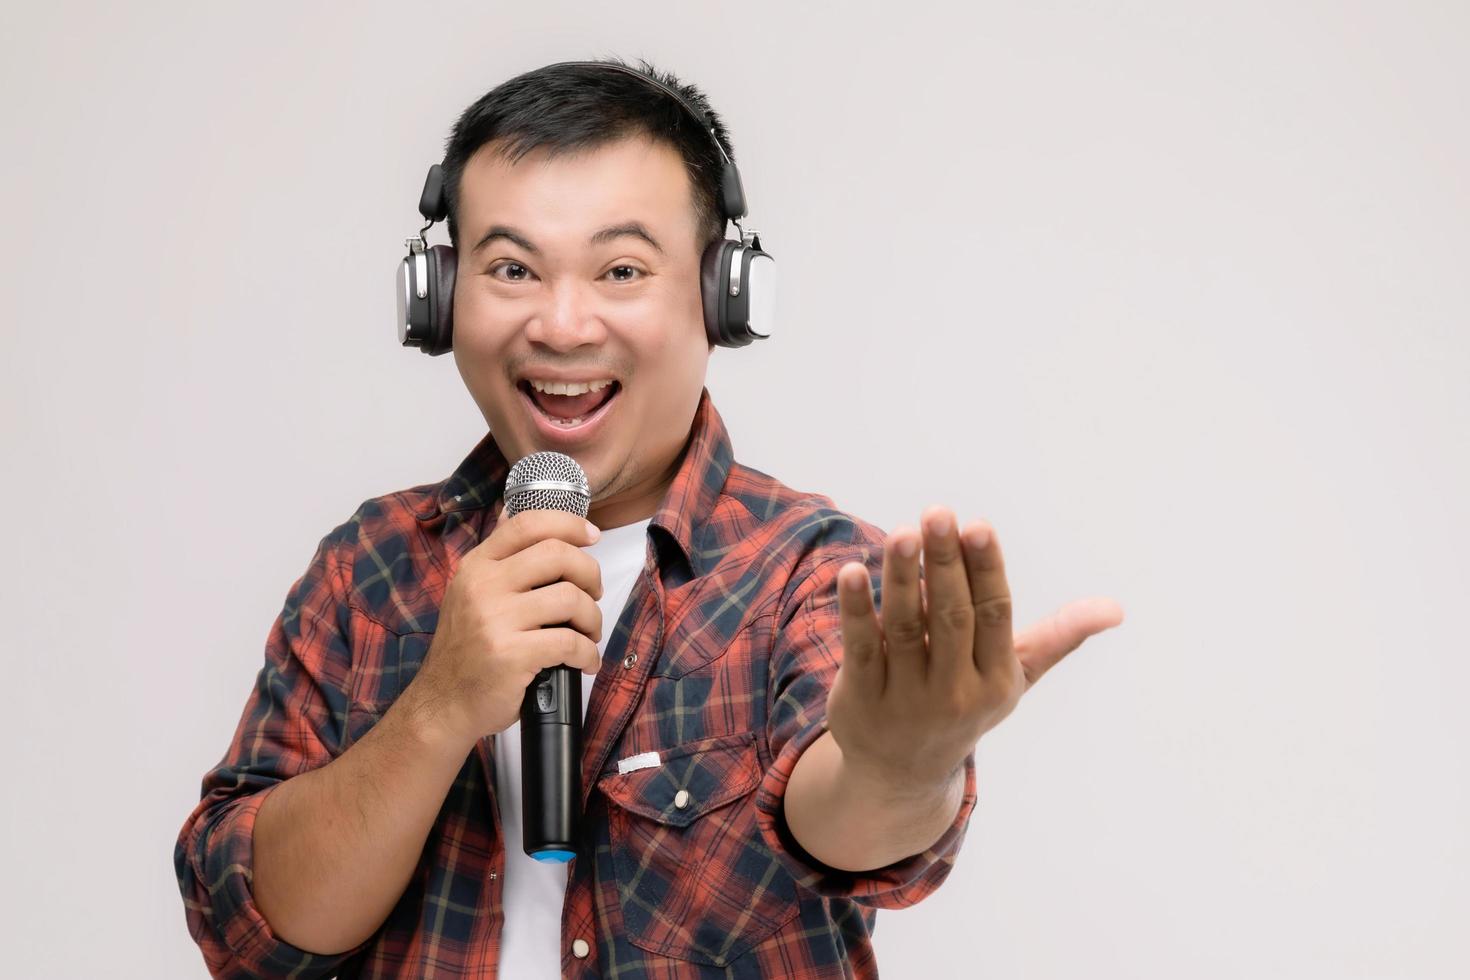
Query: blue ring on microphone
[{"x": 549, "y": 856}]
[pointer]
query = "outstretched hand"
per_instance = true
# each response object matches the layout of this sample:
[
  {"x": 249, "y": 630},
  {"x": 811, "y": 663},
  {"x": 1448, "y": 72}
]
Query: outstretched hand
[{"x": 918, "y": 687}]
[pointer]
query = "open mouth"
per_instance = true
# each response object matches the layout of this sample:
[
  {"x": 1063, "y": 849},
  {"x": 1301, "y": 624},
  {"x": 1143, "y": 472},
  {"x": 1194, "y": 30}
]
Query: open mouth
[{"x": 570, "y": 411}]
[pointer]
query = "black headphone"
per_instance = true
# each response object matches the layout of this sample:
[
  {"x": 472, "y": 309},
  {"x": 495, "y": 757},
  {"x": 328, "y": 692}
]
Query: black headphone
[{"x": 737, "y": 279}]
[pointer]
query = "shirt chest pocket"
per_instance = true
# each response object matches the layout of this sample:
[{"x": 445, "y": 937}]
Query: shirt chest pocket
[
  {"x": 695, "y": 878},
  {"x": 384, "y": 662}
]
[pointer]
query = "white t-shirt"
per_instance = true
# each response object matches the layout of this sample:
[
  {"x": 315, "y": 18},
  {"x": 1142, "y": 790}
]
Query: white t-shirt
[{"x": 530, "y": 940}]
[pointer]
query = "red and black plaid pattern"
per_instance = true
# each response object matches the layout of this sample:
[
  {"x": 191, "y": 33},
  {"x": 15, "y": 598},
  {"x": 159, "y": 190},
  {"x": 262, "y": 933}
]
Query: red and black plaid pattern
[{"x": 719, "y": 665}]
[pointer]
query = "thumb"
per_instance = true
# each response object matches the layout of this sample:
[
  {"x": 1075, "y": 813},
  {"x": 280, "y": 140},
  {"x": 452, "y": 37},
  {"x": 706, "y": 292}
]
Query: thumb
[{"x": 1041, "y": 646}]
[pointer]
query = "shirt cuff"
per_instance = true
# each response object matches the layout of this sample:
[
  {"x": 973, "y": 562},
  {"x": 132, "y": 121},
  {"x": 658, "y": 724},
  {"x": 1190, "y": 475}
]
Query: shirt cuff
[
  {"x": 224, "y": 863},
  {"x": 894, "y": 886}
]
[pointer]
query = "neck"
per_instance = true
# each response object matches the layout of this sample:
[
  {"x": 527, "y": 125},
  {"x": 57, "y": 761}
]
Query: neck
[{"x": 636, "y": 502}]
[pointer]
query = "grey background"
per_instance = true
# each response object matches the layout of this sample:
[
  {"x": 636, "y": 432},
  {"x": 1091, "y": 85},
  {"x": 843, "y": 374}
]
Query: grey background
[{"x": 1175, "y": 294}]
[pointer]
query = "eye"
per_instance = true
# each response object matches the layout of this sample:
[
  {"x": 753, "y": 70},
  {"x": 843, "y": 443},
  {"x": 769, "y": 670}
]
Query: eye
[
  {"x": 514, "y": 272},
  {"x": 621, "y": 273}
]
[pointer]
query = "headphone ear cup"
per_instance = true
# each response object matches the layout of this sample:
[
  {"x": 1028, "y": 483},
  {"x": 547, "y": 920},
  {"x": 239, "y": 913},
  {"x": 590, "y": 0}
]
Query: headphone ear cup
[
  {"x": 442, "y": 263},
  {"x": 714, "y": 273},
  {"x": 738, "y": 320}
]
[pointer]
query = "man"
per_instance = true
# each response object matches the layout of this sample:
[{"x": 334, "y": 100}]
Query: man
[{"x": 766, "y": 761}]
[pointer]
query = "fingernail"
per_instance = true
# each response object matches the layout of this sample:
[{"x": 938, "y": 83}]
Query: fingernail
[
  {"x": 907, "y": 547},
  {"x": 939, "y": 523},
  {"x": 978, "y": 537},
  {"x": 593, "y": 531}
]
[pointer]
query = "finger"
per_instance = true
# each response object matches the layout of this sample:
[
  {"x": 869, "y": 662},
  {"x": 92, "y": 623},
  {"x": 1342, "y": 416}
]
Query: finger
[
  {"x": 513, "y": 535},
  {"x": 903, "y": 614},
  {"x": 557, "y": 604},
  {"x": 948, "y": 613},
  {"x": 559, "y": 645},
  {"x": 549, "y": 561},
  {"x": 990, "y": 595},
  {"x": 1042, "y": 645},
  {"x": 862, "y": 639}
]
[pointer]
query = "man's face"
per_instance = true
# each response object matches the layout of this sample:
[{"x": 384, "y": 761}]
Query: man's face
[{"x": 556, "y": 281}]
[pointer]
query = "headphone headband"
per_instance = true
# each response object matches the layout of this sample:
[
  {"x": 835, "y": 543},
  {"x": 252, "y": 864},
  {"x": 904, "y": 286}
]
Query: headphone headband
[
  {"x": 732, "y": 191},
  {"x": 434, "y": 205},
  {"x": 689, "y": 107}
]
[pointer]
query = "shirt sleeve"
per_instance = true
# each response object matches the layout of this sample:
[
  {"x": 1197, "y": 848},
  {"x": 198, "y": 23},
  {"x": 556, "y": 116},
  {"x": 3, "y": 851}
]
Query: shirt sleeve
[
  {"x": 291, "y": 723},
  {"x": 806, "y": 652}
]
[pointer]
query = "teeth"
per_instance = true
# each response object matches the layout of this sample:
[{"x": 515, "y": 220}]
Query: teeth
[
  {"x": 564, "y": 423},
  {"x": 568, "y": 387}
]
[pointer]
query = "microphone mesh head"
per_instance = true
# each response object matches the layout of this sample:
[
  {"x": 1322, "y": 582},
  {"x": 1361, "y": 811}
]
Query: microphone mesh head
[{"x": 546, "y": 481}]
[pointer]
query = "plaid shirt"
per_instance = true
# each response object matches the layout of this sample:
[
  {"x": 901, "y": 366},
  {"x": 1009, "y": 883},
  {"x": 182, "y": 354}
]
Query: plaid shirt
[{"x": 720, "y": 662}]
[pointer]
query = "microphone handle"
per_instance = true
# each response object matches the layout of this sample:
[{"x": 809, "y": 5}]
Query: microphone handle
[{"x": 551, "y": 763}]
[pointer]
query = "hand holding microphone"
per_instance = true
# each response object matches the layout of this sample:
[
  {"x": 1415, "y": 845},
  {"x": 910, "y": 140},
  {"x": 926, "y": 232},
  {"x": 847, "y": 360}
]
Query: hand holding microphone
[
  {"x": 522, "y": 600},
  {"x": 518, "y": 617}
]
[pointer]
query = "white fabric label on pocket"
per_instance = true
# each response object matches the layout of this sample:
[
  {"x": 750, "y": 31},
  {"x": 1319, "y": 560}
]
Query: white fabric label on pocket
[{"x": 643, "y": 760}]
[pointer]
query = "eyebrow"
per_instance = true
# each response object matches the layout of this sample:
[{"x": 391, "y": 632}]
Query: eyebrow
[{"x": 634, "y": 229}]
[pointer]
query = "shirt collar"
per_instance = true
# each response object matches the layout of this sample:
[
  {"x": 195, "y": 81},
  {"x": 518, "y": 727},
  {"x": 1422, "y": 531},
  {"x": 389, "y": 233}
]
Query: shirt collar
[{"x": 479, "y": 482}]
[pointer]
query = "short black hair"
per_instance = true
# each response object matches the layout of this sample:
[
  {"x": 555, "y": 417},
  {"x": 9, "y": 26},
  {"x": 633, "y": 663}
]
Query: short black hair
[{"x": 573, "y": 107}]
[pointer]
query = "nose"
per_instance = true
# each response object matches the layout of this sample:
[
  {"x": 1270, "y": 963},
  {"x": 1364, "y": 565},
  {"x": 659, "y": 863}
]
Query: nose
[{"x": 568, "y": 320}]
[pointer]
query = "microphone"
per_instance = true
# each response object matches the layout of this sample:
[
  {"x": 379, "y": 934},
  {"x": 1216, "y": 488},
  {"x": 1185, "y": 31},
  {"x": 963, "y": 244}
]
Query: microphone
[{"x": 551, "y": 713}]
